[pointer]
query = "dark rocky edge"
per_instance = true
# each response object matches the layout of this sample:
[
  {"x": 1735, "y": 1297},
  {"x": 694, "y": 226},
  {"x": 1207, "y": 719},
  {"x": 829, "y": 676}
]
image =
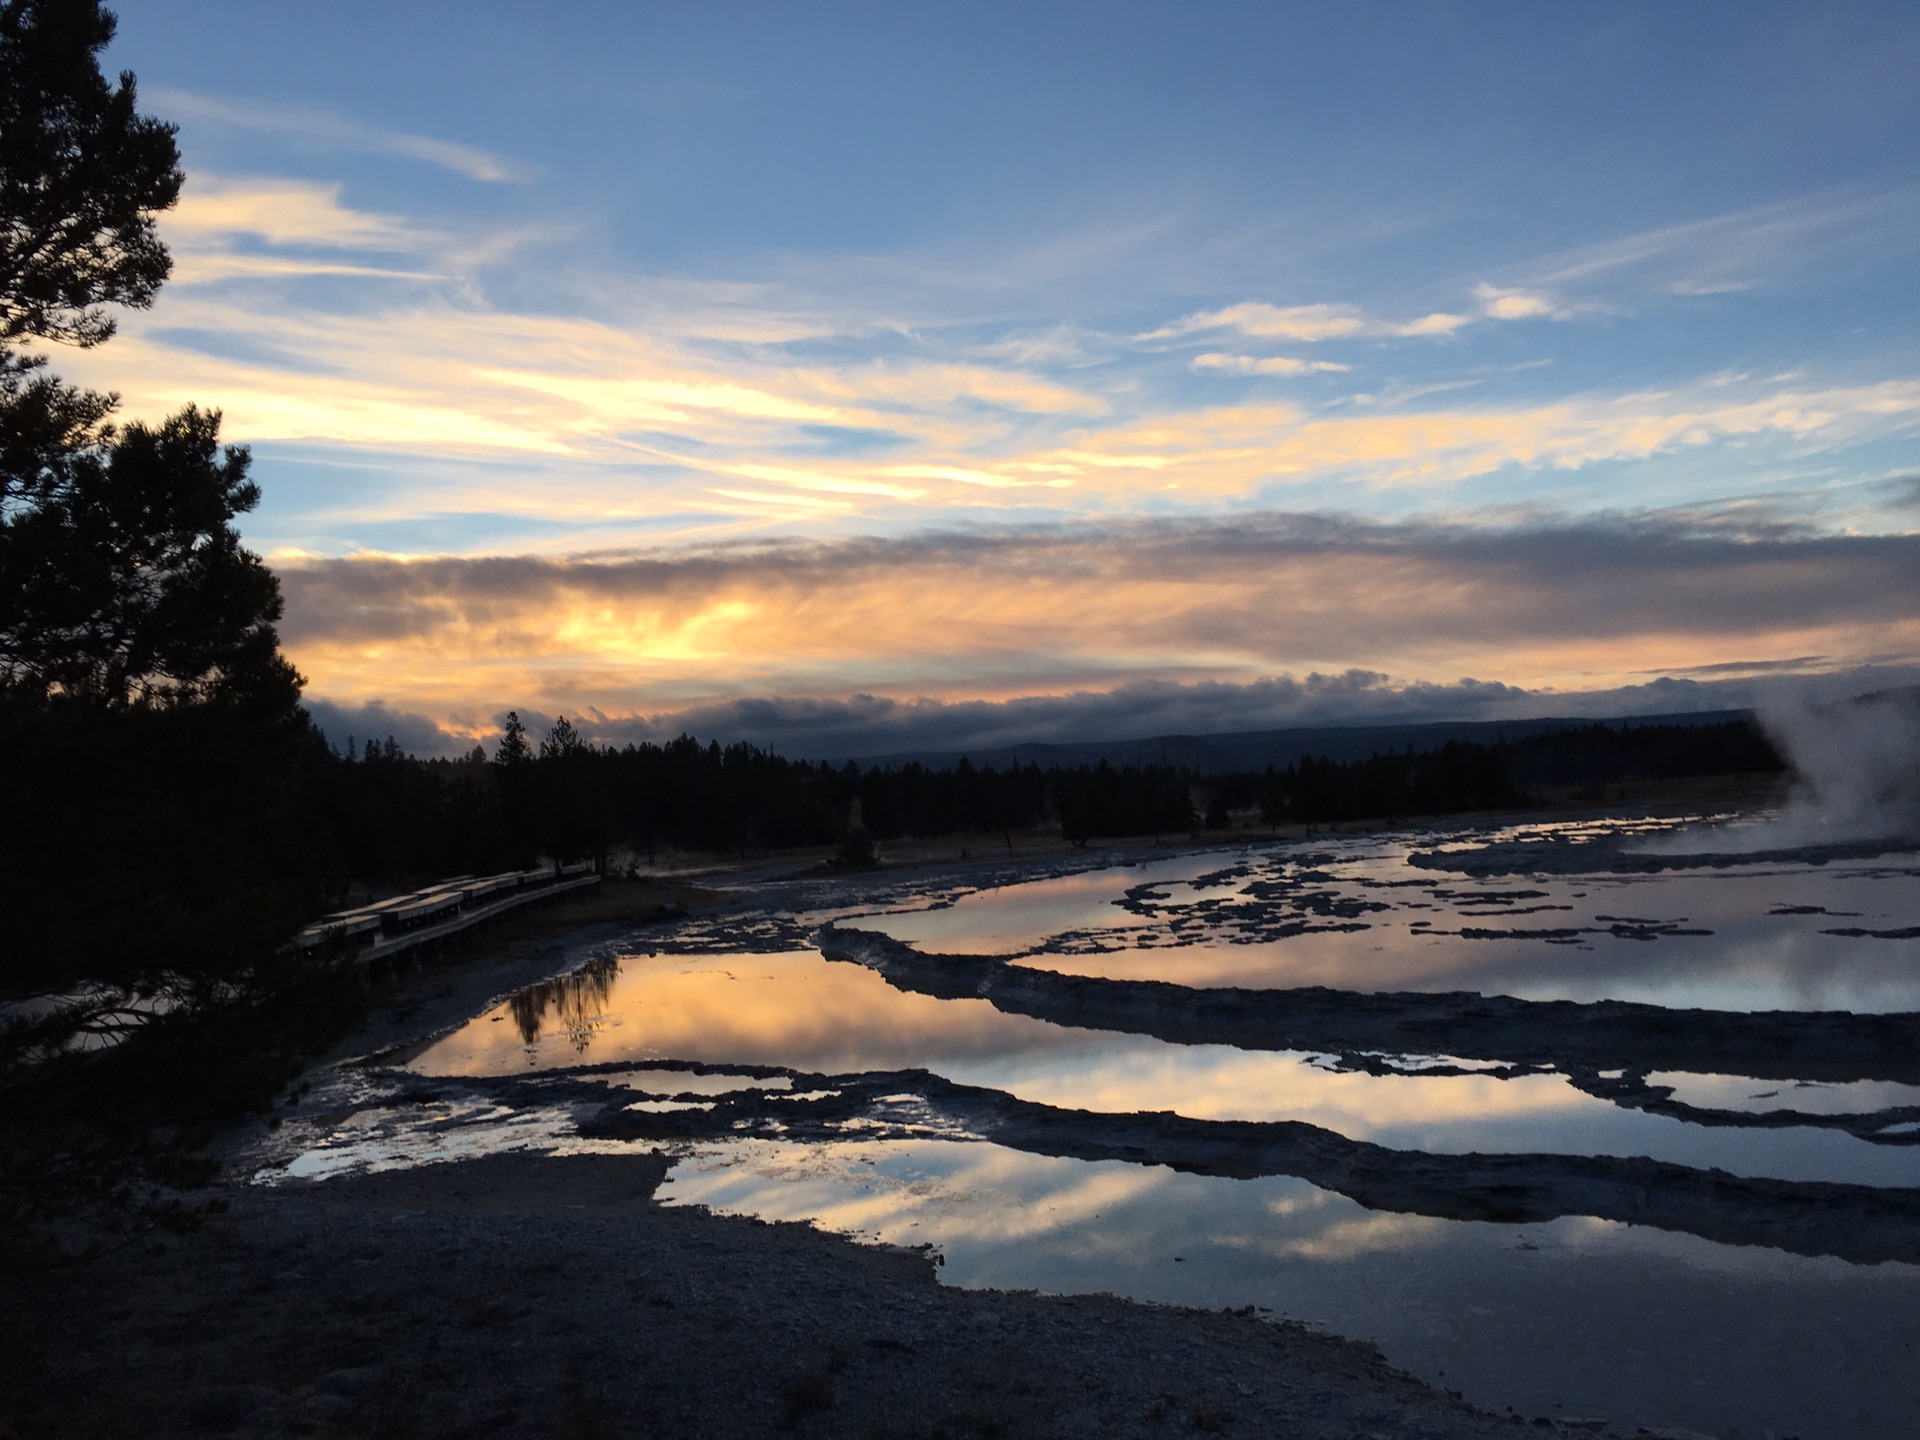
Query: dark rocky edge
[
  {"x": 1618, "y": 855},
  {"x": 1831, "y": 1046},
  {"x": 1862, "y": 1223},
  {"x": 1632, "y": 1090}
]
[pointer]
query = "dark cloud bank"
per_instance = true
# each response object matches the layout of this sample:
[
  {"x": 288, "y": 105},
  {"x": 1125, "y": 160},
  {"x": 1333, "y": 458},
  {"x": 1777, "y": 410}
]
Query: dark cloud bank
[
  {"x": 868, "y": 727},
  {"x": 1509, "y": 585}
]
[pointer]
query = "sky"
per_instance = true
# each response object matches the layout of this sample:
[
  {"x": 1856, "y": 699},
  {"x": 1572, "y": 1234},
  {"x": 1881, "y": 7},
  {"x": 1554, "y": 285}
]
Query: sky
[{"x": 861, "y": 378}]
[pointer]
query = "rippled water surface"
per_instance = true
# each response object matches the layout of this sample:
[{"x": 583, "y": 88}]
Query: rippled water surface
[{"x": 1672, "y": 1249}]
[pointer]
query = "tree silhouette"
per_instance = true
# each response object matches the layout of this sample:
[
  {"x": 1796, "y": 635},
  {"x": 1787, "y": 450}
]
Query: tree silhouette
[
  {"x": 152, "y": 747},
  {"x": 122, "y": 579},
  {"x": 128, "y": 583},
  {"x": 513, "y": 748},
  {"x": 562, "y": 740},
  {"x": 82, "y": 175}
]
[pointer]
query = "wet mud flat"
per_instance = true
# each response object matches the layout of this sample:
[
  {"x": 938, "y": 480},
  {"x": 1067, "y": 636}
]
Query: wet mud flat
[{"x": 541, "y": 1295}]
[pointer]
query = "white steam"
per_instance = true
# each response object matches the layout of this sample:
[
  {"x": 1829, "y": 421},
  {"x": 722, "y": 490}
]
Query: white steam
[{"x": 1856, "y": 769}]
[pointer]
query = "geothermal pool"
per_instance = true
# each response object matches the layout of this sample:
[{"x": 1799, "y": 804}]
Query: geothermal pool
[{"x": 1582, "y": 1120}]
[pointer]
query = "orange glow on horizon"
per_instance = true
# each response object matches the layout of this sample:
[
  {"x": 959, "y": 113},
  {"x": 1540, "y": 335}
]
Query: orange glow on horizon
[{"x": 942, "y": 627}]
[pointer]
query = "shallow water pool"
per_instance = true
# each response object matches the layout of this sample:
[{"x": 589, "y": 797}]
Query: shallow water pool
[
  {"x": 1672, "y": 1178},
  {"x": 1354, "y": 915}
]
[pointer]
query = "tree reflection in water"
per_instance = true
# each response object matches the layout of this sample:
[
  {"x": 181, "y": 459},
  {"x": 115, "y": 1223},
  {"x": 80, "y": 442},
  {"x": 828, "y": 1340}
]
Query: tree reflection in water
[{"x": 576, "y": 1001}]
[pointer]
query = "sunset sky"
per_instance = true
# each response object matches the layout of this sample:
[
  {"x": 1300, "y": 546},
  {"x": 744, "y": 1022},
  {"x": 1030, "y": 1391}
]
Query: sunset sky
[{"x": 857, "y": 378}]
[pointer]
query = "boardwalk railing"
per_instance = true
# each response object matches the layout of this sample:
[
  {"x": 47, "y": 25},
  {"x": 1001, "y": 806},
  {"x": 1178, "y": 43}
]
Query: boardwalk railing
[{"x": 391, "y": 926}]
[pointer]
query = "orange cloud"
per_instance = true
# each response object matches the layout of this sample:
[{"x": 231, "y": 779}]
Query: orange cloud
[{"x": 1050, "y": 611}]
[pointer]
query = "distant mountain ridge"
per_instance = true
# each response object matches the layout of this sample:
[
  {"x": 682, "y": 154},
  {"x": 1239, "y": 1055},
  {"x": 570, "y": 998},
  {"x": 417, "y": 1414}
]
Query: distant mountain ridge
[{"x": 1245, "y": 750}]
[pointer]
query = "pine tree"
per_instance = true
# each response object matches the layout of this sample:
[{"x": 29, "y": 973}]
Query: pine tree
[
  {"x": 562, "y": 740},
  {"x": 152, "y": 745},
  {"x": 513, "y": 748},
  {"x": 82, "y": 175},
  {"x": 122, "y": 578}
]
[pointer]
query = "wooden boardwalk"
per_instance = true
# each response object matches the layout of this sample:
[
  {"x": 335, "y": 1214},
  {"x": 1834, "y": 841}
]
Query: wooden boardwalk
[{"x": 406, "y": 922}]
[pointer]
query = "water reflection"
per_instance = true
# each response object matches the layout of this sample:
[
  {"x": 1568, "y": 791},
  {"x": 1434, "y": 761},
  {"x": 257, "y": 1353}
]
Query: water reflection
[
  {"x": 1010, "y": 918},
  {"x": 800, "y": 1011},
  {"x": 1354, "y": 915},
  {"x": 571, "y": 1005},
  {"x": 789, "y": 1009},
  {"x": 1576, "y": 1317},
  {"x": 401, "y": 1138},
  {"x": 688, "y": 1082}
]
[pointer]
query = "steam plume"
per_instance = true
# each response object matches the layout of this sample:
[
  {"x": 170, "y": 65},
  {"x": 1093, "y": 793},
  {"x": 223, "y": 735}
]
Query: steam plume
[{"x": 1856, "y": 777}]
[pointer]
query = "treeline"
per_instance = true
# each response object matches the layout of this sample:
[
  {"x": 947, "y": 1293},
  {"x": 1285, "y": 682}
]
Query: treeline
[
  {"x": 1464, "y": 776},
  {"x": 1457, "y": 777},
  {"x": 192, "y": 839},
  {"x": 380, "y": 815},
  {"x": 1597, "y": 755},
  {"x": 384, "y": 816},
  {"x": 146, "y": 844}
]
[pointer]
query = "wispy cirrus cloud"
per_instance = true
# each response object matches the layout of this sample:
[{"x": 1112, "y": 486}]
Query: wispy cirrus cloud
[
  {"x": 228, "y": 228},
  {"x": 325, "y": 130},
  {"x": 1305, "y": 324},
  {"x": 674, "y": 401},
  {"x": 280, "y": 212},
  {"x": 1513, "y": 303},
  {"x": 438, "y": 378},
  {"x": 1267, "y": 365},
  {"x": 1227, "y": 451},
  {"x": 1789, "y": 240},
  {"x": 1312, "y": 324},
  {"x": 430, "y": 367}
]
